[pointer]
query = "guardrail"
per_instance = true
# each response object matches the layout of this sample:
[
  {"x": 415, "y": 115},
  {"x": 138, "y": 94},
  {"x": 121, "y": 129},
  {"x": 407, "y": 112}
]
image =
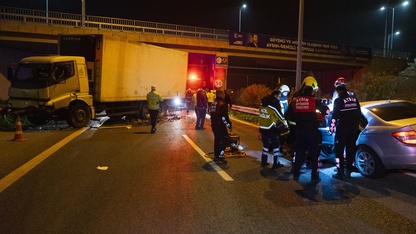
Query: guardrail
[
  {"x": 244, "y": 109},
  {"x": 108, "y": 23}
]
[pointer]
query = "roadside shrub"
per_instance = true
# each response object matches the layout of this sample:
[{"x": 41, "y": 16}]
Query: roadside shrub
[
  {"x": 252, "y": 95},
  {"x": 378, "y": 86}
]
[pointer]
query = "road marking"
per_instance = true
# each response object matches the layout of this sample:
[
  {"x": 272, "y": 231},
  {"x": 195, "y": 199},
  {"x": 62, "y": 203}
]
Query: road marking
[
  {"x": 21, "y": 171},
  {"x": 218, "y": 169}
]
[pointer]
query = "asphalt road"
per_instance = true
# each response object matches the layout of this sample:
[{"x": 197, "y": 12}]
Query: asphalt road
[{"x": 122, "y": 179}]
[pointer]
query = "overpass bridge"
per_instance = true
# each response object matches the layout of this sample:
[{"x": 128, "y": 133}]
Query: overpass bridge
[{"x": 211, "y": 51}]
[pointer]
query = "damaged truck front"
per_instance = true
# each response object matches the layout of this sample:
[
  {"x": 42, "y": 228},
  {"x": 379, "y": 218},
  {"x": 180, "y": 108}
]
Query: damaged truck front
[{"x": 43, "y": 87}]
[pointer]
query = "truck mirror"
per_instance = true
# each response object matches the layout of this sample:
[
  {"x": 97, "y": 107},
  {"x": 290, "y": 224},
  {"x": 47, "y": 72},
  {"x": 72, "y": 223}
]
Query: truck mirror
[{"x": 10, "y": 73}]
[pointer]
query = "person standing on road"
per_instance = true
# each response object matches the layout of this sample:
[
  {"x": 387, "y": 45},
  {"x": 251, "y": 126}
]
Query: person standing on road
[
  {"x": 210, "y": 97},
  {"x": 270, "y": 117},
  {"x": 188, "y": 99},
  {"x": 284, "y": 104},
  {"x": 202, "y": 105},
  {"x": 345, "y": 121},
  {"x": 153, "y": 101},
  {"x": 303, "y": 111},
  {"x": 219, "y": 124}
]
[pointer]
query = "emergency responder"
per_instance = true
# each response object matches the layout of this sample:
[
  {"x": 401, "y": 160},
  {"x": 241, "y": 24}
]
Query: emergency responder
[
  {"x": 219, "y": 124},
  {"x": 202, "y": 105},
  {"x": 309, "y": 81},
  {"x": 188, "y": 99},
  {"x": 210, "y": 97},
  {"x": 270, "y": 120},
  {"x": 284, "y": 92},
  {"x": 153, "y": 101},
  {"x": 303, "y": 111},
  {"x": 345, "y": 121},
  {"x": 194, "y": 101},
  {"x": 284, "y": 103}
]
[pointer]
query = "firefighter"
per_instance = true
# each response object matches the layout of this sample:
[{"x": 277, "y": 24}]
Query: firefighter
[
  {"x": 270, "y": 120},
  {"x": 303, "y": 111},
  {"x": 219, "y": 124},
  {"x": 311, "y": 82},
  {"x": 345, "y": 121}
]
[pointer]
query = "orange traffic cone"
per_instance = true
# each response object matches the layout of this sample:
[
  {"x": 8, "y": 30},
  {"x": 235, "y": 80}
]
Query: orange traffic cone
[{"x": 18, "y": 136}]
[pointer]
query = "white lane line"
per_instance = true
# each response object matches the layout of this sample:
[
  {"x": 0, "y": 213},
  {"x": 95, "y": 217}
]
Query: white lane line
[
  {"x": 21, "y": 171},
  {"x": 218, "y": 169}
]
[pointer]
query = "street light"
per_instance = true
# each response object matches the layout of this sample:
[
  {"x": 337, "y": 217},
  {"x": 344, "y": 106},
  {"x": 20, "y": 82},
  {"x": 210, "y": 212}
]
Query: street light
[
  {"x": 239, "y": 17},
  {"x": 405, "y": 3},
  {"x": 389, "y": 41}
]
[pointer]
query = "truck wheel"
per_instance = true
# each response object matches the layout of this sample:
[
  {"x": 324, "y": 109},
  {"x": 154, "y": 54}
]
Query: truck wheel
[{"x": 79, "y": 116}]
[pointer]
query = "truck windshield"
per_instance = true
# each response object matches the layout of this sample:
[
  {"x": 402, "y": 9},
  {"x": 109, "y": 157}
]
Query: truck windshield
[{"x": 33, "y": 72}]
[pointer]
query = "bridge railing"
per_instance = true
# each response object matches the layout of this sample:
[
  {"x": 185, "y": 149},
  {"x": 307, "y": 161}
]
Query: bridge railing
[
  {"x": 108, "y": 23},
  {"x": 138, "y": 26}
]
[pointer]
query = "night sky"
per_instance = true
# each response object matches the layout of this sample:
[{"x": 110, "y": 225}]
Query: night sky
[{"x": 350, "y": 22}]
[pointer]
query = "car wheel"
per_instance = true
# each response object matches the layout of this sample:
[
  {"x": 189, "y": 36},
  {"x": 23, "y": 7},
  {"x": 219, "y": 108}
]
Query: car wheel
[{"x": 369, "y": 164}]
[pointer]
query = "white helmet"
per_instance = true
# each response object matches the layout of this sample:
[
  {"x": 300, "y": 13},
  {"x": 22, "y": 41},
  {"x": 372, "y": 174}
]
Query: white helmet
[{"x": 284, "y": 88}]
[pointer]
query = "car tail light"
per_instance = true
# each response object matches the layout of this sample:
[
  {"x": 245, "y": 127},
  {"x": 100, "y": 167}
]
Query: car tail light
[{"x": 407, "y": 137}]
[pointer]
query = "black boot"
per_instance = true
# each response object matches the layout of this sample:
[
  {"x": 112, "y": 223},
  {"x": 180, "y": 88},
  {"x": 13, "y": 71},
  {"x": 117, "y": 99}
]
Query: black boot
[
  {"x": 276, "y": 163},
  {"x": 339, "y": 175},
  {"x": 264, "y": 161}
]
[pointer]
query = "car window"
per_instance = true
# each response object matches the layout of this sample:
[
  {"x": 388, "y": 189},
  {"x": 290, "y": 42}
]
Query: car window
[{"x": 395, "y": 111}]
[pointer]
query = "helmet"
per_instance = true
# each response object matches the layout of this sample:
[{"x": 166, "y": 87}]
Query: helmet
[
  {"x": 340, "y": 81},
  {"x": 310, "y": 81},
  {"x": 284, "y": 88}
]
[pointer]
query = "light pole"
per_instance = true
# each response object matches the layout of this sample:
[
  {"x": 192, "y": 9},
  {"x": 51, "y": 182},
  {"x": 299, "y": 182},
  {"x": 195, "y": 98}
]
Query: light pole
[
  {"x": 83, "y": 13},
  {"x": 405, "y": 3},
  {"x": 47, "y": 10},
  {"x": 239, "y": 17}
]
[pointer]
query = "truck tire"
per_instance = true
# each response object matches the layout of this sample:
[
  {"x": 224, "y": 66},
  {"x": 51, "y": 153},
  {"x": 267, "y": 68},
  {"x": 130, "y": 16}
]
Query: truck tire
[{"x": 79, "y": 115}]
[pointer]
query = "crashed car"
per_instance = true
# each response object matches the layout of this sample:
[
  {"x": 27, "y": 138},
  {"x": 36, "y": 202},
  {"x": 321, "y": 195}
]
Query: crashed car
[{"x": 386, "y": 138}]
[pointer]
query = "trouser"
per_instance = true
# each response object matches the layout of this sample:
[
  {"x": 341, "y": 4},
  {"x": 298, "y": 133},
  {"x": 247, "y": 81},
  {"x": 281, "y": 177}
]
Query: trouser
[
  {"x": 221, "y": 139},
  {"x": 188, "y": 106},
  {"x": 200, "y": 120},
  {"x": 345, "y": 139},
  {"x": 270, "y": 139},
  {"x": 307, "y": 140},
  {"x": 153, "y": 117}
]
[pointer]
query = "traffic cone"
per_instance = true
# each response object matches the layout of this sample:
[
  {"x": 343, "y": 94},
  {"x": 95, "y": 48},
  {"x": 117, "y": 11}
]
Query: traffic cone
[{"x": 18, "y": 136}]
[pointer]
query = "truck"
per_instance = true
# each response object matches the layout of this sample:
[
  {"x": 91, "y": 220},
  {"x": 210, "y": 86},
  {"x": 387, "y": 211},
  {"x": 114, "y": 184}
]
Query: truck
[{"x": 95, "y": 74}]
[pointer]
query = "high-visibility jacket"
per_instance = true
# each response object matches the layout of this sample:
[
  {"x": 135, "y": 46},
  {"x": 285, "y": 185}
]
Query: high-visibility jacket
[
  {"x": 153, "y": 100},
  {"x": 269, "y": 116}
]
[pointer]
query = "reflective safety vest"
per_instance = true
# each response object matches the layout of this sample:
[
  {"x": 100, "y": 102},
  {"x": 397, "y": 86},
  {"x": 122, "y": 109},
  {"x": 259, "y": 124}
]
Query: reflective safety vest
[{"x": 269, "y": 117}]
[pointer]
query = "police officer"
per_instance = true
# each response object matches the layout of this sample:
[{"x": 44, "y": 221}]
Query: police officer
[
  {"x": 270, "y": 117},
  {"x": 153, "y": 101},
  {"x": 303, "y": 110},
  {"x": 219, "y": 124},
  {"x": 345, "y": 121}
]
